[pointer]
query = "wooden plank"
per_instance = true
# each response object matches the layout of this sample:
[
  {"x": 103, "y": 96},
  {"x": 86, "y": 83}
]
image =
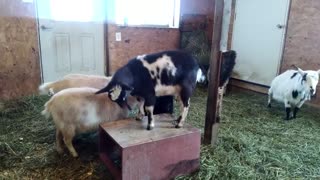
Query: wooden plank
[
  {"x": 106, "y": 48},
  {"x": 215, "y": 64},
  {"x": 130, "y": 132},
  {"x": 249, "y": 86},
  {"x": 131, "y": 152},
  {"x": 232, "y": 18}
]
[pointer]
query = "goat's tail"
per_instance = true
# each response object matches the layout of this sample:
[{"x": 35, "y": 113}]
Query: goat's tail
[
  {"x": 44, "y": 89},
  {"x": 228, "y": 63},
  {"x": 46, "y": 112}
]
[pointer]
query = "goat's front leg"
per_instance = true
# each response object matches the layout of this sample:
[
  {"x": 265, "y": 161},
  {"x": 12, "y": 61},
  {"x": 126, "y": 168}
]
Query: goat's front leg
[
  {"x": 219, "y": 105},
  {"x": 149, "y": 107},
  {"x": 288, "y": 109},
  {"x": 141, "y": 112},
  {"x": 149, "y": 110},
  {"x": 296, "y": 109}
]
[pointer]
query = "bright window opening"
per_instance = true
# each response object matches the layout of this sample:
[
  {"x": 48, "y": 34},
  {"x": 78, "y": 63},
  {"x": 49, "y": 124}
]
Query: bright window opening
[{"x": 161, "y": 13}]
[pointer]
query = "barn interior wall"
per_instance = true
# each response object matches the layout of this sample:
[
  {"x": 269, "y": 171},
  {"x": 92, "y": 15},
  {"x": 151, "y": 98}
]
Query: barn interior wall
[
  {"x": 302, "y": 42},
  {"x": 19, "y": 51},
  {"x": 139, "y": 40},
  {"x": 20, "y": 72},
  {"x": 136, "y": 41}
]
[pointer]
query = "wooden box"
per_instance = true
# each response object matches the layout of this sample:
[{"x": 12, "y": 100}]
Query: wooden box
[{"x": 131, "y": 152}]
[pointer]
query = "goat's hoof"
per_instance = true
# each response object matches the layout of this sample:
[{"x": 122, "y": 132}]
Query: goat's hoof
[
  {"x": 149, "y": 127},
  {"x": 138, "y": 119},
  {"x": 288, "y": 119},
  {"x": 75, "y": 155},
  {"x": 178, "y": 126},
  {"x": 269, "y": 106},
  {"x": 59, "y": 150},
  {"x": 175, "y": 122}
]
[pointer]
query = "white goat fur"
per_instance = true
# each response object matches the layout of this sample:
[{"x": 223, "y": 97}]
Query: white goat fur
[
  {"x": 79, "y": 110},
  {"x": 74, "y": 80},
  {"x": 282, "y": 87}
]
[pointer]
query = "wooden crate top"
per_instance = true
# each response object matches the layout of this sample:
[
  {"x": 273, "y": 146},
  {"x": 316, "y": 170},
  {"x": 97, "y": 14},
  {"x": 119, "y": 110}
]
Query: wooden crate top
[{"x": 130, "y": 132}]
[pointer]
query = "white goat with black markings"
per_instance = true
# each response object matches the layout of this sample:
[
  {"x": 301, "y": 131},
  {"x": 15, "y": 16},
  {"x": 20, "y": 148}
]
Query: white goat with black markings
[
  {"x": 293, "y": 88},
  {"x": 74, "y": 80},
  {"x": 79, "y": 110},
  {"x": 168, "y": 73}
]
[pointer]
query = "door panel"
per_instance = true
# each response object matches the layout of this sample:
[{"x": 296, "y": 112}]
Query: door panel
[
  {"x": 71, "y": 42},
  {"x": 62, "y": 46},
  {"x": 87, "y": 49},
  {"x": 258, "y": 39}
]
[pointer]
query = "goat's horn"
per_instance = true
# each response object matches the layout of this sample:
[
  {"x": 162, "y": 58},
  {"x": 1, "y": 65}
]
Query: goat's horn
[{"x": 293, "y": 65}]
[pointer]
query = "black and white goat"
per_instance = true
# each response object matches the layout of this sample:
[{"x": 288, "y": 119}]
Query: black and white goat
[
  {"x": 293, "y": 88},
  {"x": 149, "y": 76},
  {"x": 227, "y": 65}
]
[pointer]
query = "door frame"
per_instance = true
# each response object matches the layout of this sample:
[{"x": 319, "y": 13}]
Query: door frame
[
  {"x": 285, "y": 36},
  {"x": 231, "y": 31},
  {"x": 105, "y": 42}
]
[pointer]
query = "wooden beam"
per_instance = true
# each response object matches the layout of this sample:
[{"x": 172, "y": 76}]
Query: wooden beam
[
  {"x": 211, "y": 126},
  {"x": 106, "y": 48}
]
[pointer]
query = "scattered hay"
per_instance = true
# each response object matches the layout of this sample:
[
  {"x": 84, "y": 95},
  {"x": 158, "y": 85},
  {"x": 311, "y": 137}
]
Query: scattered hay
[
  {"x": 253, "y": 143},
  {"x": 27, "y": 146}
]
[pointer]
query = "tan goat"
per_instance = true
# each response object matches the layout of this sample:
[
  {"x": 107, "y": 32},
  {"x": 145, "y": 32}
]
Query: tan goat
[
  {"x": 74, "y": 80},
  {"x": 79, "y": 110}
]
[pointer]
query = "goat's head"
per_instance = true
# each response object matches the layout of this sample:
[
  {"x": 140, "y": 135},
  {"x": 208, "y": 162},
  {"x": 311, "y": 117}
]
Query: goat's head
[
  {"x": 310, "y": 80},
  {"x": 117, "y": 93}
]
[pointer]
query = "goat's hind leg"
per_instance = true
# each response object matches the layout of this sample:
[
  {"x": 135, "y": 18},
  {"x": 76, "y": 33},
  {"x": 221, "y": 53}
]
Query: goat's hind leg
[
  {"x": 184, "y": 106},
  {"x": 59, "y": 141},
  {"x": 297, "y": 108},
  {"x": 269, "y": 98},
  {"x": 68, "y": 135}
]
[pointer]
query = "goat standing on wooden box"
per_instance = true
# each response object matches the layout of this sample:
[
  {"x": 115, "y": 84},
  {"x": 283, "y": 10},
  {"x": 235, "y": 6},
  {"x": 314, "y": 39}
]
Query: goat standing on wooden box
[
  {"x": 160, "y": 74},
  {"x": 293, "y": 88}
]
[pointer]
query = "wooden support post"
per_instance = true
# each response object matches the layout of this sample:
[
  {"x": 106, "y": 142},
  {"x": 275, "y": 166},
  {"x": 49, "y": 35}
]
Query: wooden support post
[{"x": 211, "y": 124}]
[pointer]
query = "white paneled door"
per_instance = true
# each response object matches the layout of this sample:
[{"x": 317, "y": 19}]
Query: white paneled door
[
  {"x": 258, "y": 38},
  {"x": 71, "y": 37}
]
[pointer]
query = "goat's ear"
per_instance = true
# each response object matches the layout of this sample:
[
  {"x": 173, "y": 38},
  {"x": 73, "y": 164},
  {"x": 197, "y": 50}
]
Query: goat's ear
[{"x": 105, "y": 89}]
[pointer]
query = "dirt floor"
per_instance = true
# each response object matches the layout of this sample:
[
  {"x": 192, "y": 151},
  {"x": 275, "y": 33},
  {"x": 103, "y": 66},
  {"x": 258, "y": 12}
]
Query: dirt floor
[{"x": 254, "y": 142}]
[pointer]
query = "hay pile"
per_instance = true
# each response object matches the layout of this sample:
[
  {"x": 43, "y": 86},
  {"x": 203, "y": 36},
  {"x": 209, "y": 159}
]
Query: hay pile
[{"x": 254, "y": 142}]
